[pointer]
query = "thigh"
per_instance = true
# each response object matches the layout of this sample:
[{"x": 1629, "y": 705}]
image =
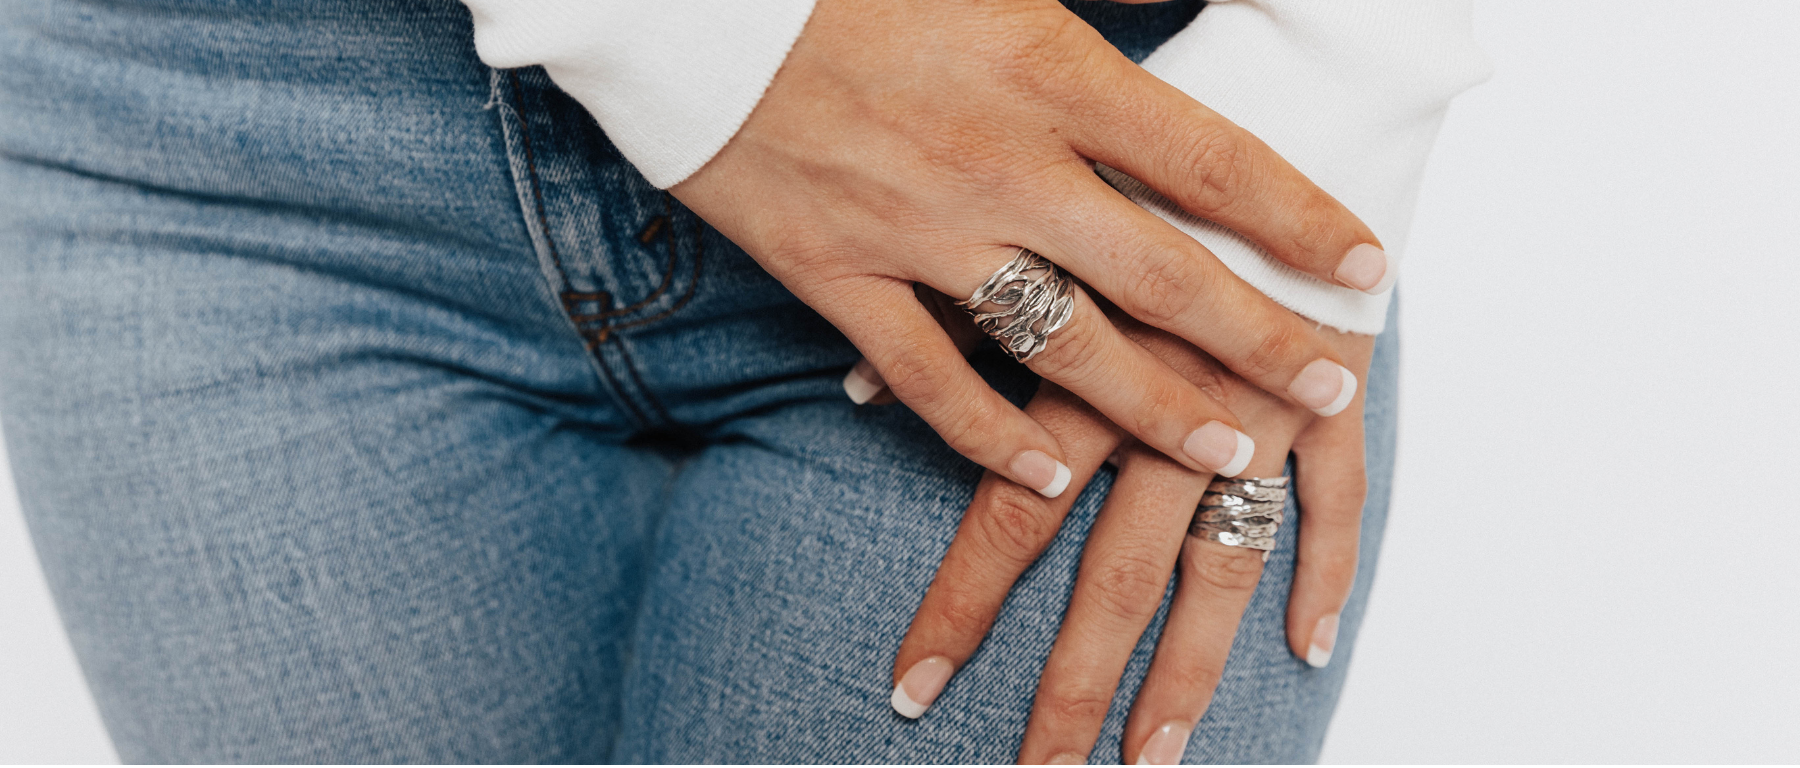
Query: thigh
[
  {"x": 793, "y": 555},
  {"x": 317, "y": 467}
]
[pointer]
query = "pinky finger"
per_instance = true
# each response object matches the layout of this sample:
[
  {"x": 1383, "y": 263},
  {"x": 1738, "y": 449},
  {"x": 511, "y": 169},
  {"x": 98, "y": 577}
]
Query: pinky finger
[
  {"x": 1330, "y": 484},
  {"x": 909, "y": 353},
  {"x": 864, "y": 385}
]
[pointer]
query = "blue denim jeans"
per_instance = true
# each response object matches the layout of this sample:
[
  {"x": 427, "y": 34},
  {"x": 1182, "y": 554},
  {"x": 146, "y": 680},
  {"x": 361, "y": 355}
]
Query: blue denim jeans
[{"x": 365, "y": 405}]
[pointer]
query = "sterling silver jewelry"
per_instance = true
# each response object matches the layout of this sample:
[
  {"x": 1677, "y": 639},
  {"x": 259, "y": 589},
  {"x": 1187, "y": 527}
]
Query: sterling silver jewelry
[
  {"x": 1242, "y": 512},
  {"x": 1033, "y": 300}
]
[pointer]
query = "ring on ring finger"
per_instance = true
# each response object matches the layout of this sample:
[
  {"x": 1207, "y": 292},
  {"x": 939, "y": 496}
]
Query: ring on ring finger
[{"x": 1242, "y": 512}]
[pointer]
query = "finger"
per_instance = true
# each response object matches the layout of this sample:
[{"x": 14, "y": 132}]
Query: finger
[
  {"x": 1159, "y": 275},
  {"x": 1003, "y": 532},
  {"x": 1126, "y": 383},
  {"x": 1214, "y": 587},
  {"x": 1330, "y": 483},
  {"x": 926, "y": 371},
  {"x": 1125, "y": 571},
  {"x": 1216, "y": 584},
  {"x": 1218, "y": 171}
]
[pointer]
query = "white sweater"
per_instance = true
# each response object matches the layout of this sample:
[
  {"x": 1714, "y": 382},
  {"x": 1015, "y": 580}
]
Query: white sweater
[{"x": 1350, "y": 91}]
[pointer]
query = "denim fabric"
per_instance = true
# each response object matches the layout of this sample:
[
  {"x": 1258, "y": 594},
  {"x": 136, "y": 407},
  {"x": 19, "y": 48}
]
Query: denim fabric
[{"x": 366, "y": 406}]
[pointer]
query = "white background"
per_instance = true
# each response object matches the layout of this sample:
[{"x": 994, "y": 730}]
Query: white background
[{"x": 1593, "y": 548}]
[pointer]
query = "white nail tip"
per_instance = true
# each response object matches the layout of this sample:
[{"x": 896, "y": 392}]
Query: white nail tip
[
  {"x": 904, "y": 704},
  {"x": 1142, "y": 761},
  {"x": 1345, "y": 394},
  {"x": 1317, "y": 657},
  {"x": 1246, "y": 448},
  {"x": 860, "y": 389},
  {"x": 1057, "y": 484},
  {"x": 1388, "y": 277}
]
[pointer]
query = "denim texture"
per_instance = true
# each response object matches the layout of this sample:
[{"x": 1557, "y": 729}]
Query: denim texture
[{"x": 365, "y": 405}]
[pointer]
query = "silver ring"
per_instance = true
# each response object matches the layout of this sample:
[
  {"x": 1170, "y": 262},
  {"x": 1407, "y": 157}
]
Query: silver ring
[
  {"x": 1242, "y": 512},
  {"x": 1032, "y": 299}
]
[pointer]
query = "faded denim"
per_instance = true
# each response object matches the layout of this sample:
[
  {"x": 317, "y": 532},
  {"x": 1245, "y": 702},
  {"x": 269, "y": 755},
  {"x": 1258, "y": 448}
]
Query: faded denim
[{"x": 367, "y": 406}]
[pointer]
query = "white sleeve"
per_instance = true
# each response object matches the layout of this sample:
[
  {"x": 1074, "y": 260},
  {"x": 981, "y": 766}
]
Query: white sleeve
[
  {"x": 1350, "y": 91},
  {"x": 670, "y": 81}
]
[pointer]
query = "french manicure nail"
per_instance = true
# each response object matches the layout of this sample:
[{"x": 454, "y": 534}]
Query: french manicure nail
[
  {"x": 1324, "y": 638},
  {"x": 1037, "y": 470},
  {"x": 1368, "y": 269},
  {"x": 1165, "y": 745},
  {"x": 1324, "y": 386},
  {"x": 862, "y": 382},
  {"x": 1225, "y": 450},
  {"x": 920, "y": 686},
  {"x": 1067, "y": 758}
]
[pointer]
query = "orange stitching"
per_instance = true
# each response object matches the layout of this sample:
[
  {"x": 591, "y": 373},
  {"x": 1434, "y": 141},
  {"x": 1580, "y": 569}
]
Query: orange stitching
[{"x": 699, "y": 253}]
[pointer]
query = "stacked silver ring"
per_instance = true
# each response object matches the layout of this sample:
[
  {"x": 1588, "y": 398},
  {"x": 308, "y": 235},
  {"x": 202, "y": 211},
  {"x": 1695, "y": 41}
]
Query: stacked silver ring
[
  {"x": 1242, "y": 512},
  {"x": 1031, "y": 300}
]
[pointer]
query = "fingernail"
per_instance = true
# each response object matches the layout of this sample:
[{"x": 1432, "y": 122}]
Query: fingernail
[
  {"x": 920, "y": 686},
  {"x": 1226, "y": 450},
  {"x": 1166, "y": 745},
  {"x": 1368, "y": 269},
  {"x": 1323, "y": 640},
  {"x": 1035, "y": 469},
  {"x": 1324, "y": 386},
  {"x": 862, "y": 382},
  {"x": 1067, "y": 758}
]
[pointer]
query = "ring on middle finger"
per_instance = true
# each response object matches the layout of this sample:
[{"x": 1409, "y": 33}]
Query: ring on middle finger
[{"x": 1022, "y": 303}]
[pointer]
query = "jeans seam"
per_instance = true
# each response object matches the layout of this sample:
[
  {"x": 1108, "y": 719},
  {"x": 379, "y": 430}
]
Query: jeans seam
[
  {"x": 598, "y": 328},
  {"x": 537, "y": 188}
]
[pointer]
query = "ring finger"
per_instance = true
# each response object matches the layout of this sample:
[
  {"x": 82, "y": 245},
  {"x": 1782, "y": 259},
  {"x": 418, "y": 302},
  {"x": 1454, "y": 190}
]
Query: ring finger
[
  {"x": 1215, "y": 586},
  {"x": 1124, "y": 382}
]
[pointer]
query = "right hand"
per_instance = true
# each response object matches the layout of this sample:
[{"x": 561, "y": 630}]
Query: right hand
[{"x": 925, "y": 141}]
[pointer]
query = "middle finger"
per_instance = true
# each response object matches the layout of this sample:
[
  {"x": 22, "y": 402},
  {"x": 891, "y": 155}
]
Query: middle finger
[{"x": 1125, "y": 570}]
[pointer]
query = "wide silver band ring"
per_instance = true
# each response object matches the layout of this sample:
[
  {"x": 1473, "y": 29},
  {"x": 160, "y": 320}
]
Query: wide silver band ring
[
  {"x": 1242, "y": 512},
  {"x": 1022, "y": 304}
]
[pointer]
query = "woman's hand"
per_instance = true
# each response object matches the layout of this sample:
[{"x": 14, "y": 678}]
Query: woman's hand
[
  {"x": 924, "y": 142},
  {"x": 1131, "y": 551}
]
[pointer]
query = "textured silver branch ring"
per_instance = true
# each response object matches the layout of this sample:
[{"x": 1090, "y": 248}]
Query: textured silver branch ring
[
  {"x": 1242, "y": 512},
  {"x": 1022, "y": 304}
]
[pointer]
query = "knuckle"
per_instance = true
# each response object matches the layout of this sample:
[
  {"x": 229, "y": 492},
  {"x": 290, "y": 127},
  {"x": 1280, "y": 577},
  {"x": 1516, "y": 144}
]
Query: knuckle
[
  {"x": 1215, "y": 166},
  {"x": 1081, "y": 706},
  {"x": 962, "y": 614},
  {"x": 1208, "y": 380},
  {"x": 970, "y": 425},
  {"x": 1227, "y": 569},
  {"x": 913, "y": 375},
  {"x": 1335, "y": 567},
  {"x": 1163, "y": 396},
  {"x": 1036, "y": 53},
  {"x": 1015, "y": 523},
  {"x": 1072, "y": 352},
  {"x": 1165, "y": 288},
  {"x": 1318, "y": 232},
  {"x": 1196, "y": 672},
  {"x": 1277, "y": 350},
  {"x": 1129, "y": 585}
]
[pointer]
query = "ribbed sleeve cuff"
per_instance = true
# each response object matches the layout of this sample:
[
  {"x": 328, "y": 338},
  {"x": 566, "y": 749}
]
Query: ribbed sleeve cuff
[{"x": 670, "y": 82}]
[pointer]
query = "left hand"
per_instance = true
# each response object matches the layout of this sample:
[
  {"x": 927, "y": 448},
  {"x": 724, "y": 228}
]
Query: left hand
[{"x": 1130, "y": 553}]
